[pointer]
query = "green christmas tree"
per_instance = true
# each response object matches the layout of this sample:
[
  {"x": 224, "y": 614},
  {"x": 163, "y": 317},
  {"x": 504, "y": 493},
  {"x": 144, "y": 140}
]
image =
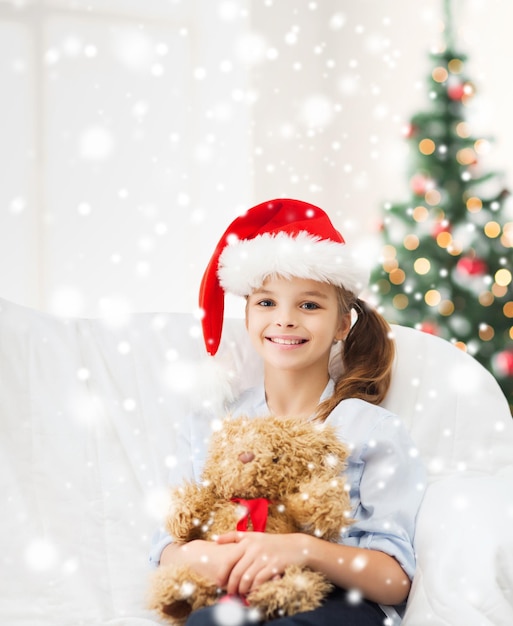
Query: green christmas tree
[{"x": 446, "y": 263}]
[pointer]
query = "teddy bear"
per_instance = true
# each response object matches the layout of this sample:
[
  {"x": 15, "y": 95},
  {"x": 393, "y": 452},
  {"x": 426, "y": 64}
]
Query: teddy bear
[{"x": 262, "y": 474}]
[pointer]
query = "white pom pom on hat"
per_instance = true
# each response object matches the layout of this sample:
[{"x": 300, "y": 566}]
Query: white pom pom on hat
[{"x": 281, "y": 237}]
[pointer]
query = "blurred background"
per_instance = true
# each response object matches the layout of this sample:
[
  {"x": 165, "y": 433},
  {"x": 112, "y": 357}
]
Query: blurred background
[{"x": 133, "y": 131}]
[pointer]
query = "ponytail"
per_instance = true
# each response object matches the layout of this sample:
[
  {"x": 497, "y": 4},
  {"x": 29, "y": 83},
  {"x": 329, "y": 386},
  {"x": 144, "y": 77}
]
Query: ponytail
[{"x": 367, "y": 353}]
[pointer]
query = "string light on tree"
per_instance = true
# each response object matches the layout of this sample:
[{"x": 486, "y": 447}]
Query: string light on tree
[{"x": 447, "y": 260}]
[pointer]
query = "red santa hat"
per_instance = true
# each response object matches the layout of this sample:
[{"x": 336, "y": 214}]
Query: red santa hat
[{"x": 282, "y": 237}]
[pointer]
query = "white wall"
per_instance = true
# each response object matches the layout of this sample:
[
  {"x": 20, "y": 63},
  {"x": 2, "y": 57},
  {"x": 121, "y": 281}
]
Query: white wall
[
  {"x": 127, "y": 148},
  {"x": 133, "y": 131}
]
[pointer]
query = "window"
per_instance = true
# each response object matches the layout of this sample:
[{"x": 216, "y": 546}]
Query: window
[{"x": 125, "y": 143}]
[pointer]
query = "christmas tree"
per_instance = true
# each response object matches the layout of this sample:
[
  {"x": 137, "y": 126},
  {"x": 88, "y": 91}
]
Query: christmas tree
[{"x": 446, "y": 263}]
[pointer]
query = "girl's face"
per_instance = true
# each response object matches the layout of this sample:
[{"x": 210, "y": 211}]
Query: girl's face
[{"x": 293, "y": 322}]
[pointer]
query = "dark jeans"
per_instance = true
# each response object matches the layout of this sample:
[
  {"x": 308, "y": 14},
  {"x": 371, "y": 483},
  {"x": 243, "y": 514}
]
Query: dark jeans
[{"x": 334, "y": 611}]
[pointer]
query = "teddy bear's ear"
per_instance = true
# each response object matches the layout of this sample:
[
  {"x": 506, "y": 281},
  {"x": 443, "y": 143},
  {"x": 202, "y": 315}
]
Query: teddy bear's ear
[
  {"x": 334, "y": 446},
  {"x": 320, "y": 439},
  {"x": 332, "y": 438},
  {"x": 232, "y": 427}
]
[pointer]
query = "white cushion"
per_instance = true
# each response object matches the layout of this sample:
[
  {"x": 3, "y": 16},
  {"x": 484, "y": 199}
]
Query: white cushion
[
  {"x": 90, "y": 417},
  {"x": 453, "y": 407}
]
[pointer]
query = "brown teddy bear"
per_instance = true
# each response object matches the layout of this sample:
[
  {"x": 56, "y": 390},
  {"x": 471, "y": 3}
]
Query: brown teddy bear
[{"x": 268, "y": 473}]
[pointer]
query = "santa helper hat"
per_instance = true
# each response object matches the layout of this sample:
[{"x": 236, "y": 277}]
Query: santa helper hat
[{"x": 282, "y": 237}]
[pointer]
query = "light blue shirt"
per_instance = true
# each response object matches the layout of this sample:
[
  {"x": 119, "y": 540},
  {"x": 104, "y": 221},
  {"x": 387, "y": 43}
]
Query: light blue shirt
[{"x": 386, "y": 475}]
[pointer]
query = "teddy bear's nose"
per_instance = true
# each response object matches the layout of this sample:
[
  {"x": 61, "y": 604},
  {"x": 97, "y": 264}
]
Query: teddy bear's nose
[{"x": 246, "y": 457}]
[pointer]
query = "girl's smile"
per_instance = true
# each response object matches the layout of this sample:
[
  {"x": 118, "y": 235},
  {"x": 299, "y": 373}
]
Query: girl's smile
[{"x": 287, "y": 341}]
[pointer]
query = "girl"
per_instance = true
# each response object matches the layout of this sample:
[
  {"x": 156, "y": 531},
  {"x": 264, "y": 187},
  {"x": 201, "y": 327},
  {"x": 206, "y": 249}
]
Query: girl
[{"x": 301, "y": 287}]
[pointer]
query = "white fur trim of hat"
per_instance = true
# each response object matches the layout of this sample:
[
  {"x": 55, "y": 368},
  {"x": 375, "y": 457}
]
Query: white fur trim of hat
[{"x": 245, "y": 264}]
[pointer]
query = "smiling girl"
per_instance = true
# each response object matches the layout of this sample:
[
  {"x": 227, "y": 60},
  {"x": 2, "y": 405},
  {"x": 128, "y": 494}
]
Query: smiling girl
[
  {"x": 292, "y": 324},
  {"x": 301, "y": 285}
]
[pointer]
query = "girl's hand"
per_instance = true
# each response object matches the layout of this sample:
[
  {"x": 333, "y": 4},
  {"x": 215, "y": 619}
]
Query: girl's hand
[
  {"x": 264, "y": 557},
  {"x": 211, "y": 559}
]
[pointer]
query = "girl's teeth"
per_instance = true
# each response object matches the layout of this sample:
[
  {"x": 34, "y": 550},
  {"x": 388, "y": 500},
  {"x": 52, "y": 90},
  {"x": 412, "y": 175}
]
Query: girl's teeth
[{"x": 287, "y": 342}]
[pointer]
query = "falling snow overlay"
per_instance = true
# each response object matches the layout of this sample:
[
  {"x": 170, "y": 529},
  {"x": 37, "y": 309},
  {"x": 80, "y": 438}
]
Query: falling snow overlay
[{"x": 132, "y": 133}]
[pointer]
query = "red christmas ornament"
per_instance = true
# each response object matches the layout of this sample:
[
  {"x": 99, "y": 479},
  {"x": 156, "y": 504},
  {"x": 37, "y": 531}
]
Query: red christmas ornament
[
  {"x": 410, "y": 130},
  {"x": 471, "y": 266},
  {"x": 442, "y": 226},
  {"x": 456, "y": 91},
  {"x": 420, "y": 184},
  {"x": 502, "y": 363},
  {"x": 429, "y": 327}
]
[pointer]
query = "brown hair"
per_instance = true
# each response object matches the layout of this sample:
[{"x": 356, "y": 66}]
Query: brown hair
[{"x": 367, "y": 356}]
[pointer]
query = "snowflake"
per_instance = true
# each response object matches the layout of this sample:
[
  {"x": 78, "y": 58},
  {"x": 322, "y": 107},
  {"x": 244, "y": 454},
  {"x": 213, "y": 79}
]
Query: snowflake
[
  {"x": 157, "y": 503},
  {"x": 317, "y": 111},
  {"x": 41, "y": 555},
  {"x": 354, "y": 596},
  {"x": 66, "y": 302},
  {"x": 83, "y": 374},
  {"x": 359, "y": 563},
  {"x": 229, "y": 613},
  {"x": 96, "y": 143},
  {"x": 133, "y": 48},
  {"x": 301, "y": 582},
  {"x": 187, "y": 589}
]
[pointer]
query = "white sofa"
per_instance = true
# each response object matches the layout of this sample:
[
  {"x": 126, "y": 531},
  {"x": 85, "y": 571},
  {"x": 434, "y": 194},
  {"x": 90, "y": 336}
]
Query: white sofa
[{"x": 90, "y": 411}]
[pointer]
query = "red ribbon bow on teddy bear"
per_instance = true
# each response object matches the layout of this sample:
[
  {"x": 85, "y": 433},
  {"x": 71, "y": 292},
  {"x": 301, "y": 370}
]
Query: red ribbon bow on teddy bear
[{"x": 256, "y": 511}]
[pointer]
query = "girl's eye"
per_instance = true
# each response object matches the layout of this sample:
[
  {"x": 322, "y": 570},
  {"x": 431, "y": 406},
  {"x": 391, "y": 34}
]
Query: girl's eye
[
  {"x": 310, "y": 306},
  {"x": 265, "y": 303}
]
